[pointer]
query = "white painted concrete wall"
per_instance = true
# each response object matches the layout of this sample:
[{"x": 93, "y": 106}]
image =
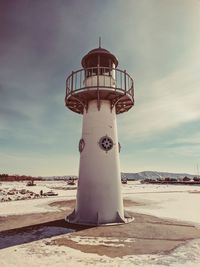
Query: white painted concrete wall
[{"x": 99, "y": 197}]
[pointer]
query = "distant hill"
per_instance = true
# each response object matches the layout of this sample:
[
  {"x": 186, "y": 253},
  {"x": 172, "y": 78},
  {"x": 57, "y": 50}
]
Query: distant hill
[
  {"x": 129, "y": 176},
  {"x": 134, "y": 176},
  {"x": 154, "y": 175}
]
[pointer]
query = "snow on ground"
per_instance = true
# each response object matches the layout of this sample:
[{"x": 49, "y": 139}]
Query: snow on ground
[
  {"x": 35, "y": 205},
  {"x": 96, "y": 241},
  {"x": 57, "y": 186},
  {"x": 43, "y": 253},
  {"x": 165, "y": 201},
  {"x": 136, "y": 187}
]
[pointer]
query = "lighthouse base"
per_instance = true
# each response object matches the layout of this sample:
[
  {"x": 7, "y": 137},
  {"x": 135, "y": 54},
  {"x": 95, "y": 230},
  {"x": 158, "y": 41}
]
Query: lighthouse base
[{"x": 74, "y": 218}]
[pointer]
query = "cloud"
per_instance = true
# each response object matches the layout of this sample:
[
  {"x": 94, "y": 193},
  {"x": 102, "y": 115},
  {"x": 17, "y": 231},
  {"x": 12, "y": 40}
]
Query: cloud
[{"x": 166, "y": 103}]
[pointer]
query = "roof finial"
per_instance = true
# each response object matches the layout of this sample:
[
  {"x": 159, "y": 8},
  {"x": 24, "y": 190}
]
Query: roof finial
[{"x": 99, "y": 41}]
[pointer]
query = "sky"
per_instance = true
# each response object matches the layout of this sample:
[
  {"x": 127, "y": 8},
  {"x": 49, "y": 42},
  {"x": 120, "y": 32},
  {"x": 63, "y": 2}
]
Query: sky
[{"x": 156, "y": 41}]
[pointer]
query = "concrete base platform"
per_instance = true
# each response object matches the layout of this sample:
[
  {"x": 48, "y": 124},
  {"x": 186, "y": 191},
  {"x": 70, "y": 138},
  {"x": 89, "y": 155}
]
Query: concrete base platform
[{"x": 71, "y": 219}]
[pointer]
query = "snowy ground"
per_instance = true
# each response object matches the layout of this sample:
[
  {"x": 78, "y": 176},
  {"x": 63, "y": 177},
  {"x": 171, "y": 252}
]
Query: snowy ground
[
  {"x": 43, "y": 253},
  {"x": 169, "y": 201},
  {"x": 35, "y": 205}
]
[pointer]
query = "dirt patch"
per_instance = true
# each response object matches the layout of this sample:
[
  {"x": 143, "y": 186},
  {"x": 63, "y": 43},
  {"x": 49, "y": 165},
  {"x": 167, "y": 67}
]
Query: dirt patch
[
  {"x": 65, "y": 204},
  {"x": 69, "y": 204},
  {"x": 145, "y": 235},
  {"x": 130, "y": 203},
  {"x": 18, "y": 221},
  {"x": 139, "y": 247},
  {"x": 194, "y": 192}
]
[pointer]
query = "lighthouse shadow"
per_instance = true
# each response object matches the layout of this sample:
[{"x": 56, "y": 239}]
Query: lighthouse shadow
[{"x": 37, "y": 232}]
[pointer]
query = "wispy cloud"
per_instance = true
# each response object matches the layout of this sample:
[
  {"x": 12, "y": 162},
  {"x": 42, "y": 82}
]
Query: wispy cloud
[{"x": 166, "y": 103}]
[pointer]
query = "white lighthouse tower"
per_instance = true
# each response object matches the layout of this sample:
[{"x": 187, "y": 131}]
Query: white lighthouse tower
[{"x": 99, "y": 91}]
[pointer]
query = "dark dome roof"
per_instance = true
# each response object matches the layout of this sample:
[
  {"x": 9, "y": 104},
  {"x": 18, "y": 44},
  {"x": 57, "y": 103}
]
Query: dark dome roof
[
  {"x": 96, "y": 52},
  {"x": 99, "y": 50}
]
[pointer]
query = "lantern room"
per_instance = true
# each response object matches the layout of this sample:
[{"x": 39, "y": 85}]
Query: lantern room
[
  {"x": 101, "y": 80},
  {"x": 99, "y": 60}
]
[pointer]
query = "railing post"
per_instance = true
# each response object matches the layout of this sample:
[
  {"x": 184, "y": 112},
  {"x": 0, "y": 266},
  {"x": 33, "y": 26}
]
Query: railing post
[
  {"x": 72, "y": 83},
  {"x": 125, "y": 81},
  {"x": 133, "y": 90},
  {"x": 98, "y": 97},
  {"x": 98, "y": 75},
  {"x": 67, "y": 87},
  {"x": 115, "y": 77},
  {"x": 80, "y": 79},
  {"x": 104, "y": 78}
]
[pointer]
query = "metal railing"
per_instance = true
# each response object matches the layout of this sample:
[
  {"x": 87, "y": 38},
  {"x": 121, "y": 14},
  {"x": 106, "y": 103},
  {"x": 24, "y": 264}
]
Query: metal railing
[{"x": 99, "y": 77}]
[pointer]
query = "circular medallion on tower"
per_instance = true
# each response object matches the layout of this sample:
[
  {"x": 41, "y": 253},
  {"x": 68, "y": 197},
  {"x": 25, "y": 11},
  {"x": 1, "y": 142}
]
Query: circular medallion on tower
[
  {"x": 106, "y": 143},
  {"x": 81, "y": 145}
]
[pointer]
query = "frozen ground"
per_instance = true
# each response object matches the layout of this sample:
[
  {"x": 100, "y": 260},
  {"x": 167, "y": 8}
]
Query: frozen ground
[
  {"x": 169, "y": 201},
  {"x": 35, "y": 205},
  {"x": 43, "y": 253}
]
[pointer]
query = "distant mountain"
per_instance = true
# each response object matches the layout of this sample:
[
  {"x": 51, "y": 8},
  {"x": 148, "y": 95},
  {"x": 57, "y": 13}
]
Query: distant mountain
[
  {"x": 154, "y": 175},
  {"x": 132, "y": 176},
  {"x": 129, "y": 176}
]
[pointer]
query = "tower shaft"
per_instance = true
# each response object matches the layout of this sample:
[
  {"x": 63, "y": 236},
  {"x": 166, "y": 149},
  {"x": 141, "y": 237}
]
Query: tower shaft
[{"x": 99, "y": 198}]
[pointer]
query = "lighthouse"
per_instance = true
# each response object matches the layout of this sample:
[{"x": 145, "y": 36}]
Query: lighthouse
[{"x": 99, "y": 92}]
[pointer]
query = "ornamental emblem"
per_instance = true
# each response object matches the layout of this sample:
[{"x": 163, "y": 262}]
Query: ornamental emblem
[
  {"x": 119, "y": 146},
  {"x": 81, "y": 145},
  {"x": 106, "y": 143}
]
